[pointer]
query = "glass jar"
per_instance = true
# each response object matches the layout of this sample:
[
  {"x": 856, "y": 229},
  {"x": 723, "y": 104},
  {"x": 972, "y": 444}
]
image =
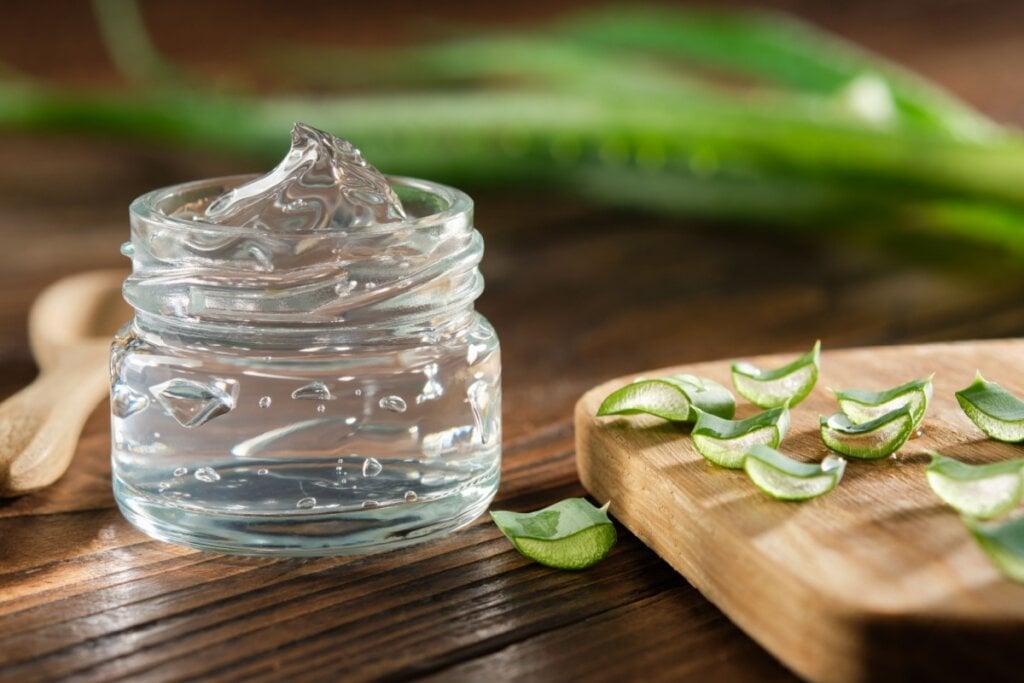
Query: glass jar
[{"x": 307, "y": 393}]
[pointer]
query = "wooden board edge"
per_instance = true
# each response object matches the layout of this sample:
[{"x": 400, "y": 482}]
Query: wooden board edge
[
  {"x": 822, "y": 641},
  {"x": 795, "y": 636}
]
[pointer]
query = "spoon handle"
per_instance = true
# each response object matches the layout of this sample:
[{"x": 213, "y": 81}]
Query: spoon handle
[{"x": 40, "y": 425}]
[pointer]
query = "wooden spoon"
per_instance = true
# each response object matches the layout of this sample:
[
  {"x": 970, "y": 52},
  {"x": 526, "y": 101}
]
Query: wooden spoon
[{"x": 70, "y": 327}]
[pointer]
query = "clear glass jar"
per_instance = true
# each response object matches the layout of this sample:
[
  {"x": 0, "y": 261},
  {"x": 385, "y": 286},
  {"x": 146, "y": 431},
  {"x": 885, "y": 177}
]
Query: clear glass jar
[{"x": 304, "y": 393}]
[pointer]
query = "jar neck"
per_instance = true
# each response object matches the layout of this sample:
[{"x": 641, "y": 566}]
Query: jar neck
[
  {"x": 398, "y": 332},
  {"x": 245, "y": 287}
]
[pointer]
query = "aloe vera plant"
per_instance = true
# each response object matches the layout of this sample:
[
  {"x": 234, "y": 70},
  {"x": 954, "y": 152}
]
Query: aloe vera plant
[{"x": 617, "y": 105}]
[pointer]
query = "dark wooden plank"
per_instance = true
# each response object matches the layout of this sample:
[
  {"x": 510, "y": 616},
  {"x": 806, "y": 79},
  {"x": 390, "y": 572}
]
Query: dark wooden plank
[{"x": 670, "y": 636}]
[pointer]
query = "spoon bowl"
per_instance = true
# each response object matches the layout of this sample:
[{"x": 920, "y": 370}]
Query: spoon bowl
[{"x": 70, "y": 327}]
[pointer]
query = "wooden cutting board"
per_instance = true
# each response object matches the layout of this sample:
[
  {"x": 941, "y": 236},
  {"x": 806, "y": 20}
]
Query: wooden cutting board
[{"x": 876, "y": 581}]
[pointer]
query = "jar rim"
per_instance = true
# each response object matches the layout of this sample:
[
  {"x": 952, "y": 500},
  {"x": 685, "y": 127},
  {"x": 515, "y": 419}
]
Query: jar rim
[{"x": 458, "y": 209}]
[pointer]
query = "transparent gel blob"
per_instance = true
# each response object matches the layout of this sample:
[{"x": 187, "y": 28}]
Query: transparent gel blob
[{"x": 323, "y": 184}]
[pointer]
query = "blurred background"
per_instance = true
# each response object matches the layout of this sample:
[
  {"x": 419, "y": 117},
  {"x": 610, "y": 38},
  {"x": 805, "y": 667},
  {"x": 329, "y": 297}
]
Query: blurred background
[{"x": 656, "y": 184}]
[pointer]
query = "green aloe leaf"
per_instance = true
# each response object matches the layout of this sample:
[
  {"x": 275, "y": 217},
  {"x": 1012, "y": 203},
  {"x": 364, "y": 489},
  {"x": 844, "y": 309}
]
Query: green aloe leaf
[
  {"x": 780, "y": 49},
  {"x": 571, "y": 534},
  {"x": 861, "y": 405},
  {"x": 676, "y": 398},
  {"x": 996, "y": 411},
  {"x": 789, "y": 384},
  {"x": 981, "y": 491},
  {"x": 726, "y": 442},
  {"x": 870, "y": 440},
  {"x": 1003, "y": 543},
  {"x": 784, "y": 478}
]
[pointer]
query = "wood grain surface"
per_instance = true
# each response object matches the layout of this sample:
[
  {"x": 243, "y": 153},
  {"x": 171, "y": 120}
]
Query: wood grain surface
[
  {"x": 817, "y": 582},
  {"x": 578, "y": 295}
]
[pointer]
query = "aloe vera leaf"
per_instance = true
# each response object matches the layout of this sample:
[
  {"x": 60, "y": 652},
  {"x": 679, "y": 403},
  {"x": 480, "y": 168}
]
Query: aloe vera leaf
[
  {"x": 571, "y": 534},
  {"x": 802, "y": 202},
  {"x": 509, "y": 58},
  {"x": 584, "y": 70},
  {"x": 789, "y": 384},
  {"x": 676, "y": 398},
  {"x": 480, "y": 122},
  {"x": 237, "y": 133},
  {"x": 979, "y": 222},
  {"x": 1003, "y": 543},
  {"x": 861, "y": 405},
  {"x": 784, "y": 478},
  {"x": 381, "y": 125},
  {"x": 993, "y": 409},
  {"x": 129, "y": 45},
  {"x": 981, "y": 491},
  {"x": 729, "y": 193},
  {"x": 869, "y": 440},
  {"x": 771, "y": 45},
  {"x": 782, "y": 49},
  {"x": 726, "y": 442}
]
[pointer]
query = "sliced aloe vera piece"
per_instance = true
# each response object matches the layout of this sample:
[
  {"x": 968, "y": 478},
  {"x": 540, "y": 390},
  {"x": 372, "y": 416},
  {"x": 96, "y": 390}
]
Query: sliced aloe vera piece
[
  {"x": 726, "y": 442},
  {"x": 676, "y": 398},
  {"x": 772, "y": 388},
  {"x": 1003, "y": 543},
  {"x": 571, "y": 534},
  {"x": 981, "y": 491},
  {"x": 996, "y": 411},
  {"x": 869, "y": 440},
  {"x": 782, "y": 477},
  {"x": 861, "y": 405}
]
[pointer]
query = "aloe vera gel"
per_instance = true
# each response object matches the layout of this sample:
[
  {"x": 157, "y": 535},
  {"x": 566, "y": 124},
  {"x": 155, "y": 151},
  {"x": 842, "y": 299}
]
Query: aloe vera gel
[{"x": 305, "y": 373}]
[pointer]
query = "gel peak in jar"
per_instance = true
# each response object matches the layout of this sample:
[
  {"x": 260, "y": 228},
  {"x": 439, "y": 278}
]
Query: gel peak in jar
[{"x": 305, "y": 373}]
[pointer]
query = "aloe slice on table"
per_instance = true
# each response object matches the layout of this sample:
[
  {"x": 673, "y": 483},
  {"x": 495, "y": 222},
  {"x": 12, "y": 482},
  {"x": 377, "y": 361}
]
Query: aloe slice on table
[
  {"x": 571, "y": 534},
  {"x": 996, "y": 411},
  {"x": 772, "y": 388},
  {"x": 1003, "y": 543},
  {"x": 981, "y": 491},
  {"x": 869, "y": 440},
  {"x": 675, "y": 398},
  {"x": 861, "y": 405},
  {"x": 726, "y": 442},
  {"x": 782, "y": 477}
]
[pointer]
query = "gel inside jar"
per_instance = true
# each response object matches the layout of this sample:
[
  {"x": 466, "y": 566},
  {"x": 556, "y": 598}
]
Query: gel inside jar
[{"x": 304, "y": 392}]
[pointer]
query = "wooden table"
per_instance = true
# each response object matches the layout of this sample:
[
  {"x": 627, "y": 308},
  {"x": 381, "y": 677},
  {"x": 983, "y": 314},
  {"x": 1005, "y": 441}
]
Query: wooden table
[{"x": 578, "y": 295}]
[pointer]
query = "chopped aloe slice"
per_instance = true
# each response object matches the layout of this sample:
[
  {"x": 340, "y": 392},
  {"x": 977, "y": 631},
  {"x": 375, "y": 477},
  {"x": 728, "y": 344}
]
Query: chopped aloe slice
[
  {"x": 782, "y": 477},
  {"x": 726, "y": 442},
  {"x": 1003, "y": 543},
  {"x": 673, "y": 398},
  {"x": 869, "y": 440},
  {"x": 996, "y": 411},
  {"x": 772, "y": 388},
  {"x": 981, "y": 491},
  {"x": 571, "y": 534},
  {"x": 863, "y": 406}
]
